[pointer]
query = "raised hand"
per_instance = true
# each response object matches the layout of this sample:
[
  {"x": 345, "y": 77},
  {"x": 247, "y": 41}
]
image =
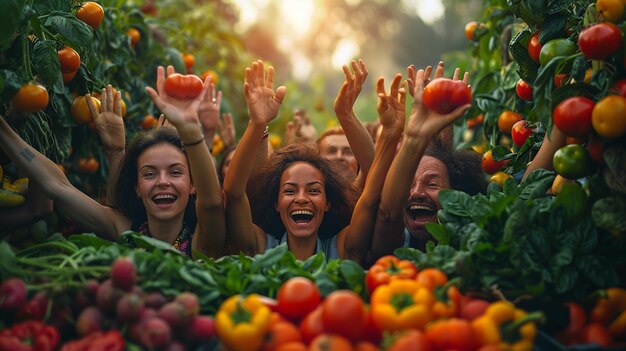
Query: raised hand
[
  {"x": 351, "y": 88},
  {"x": 300, "y": 127},
  {"x": 391, "y": 108},
  {"x": 226, "y": 128},
  {"x": 179, "y": 112},
  {"x": 209, "y": 109},
  {"x": 411, "y": 72},
  {"x": 109, "y": 123},
  {"x": 263, "y": 102},
  {"x": 424, "y": 123}
]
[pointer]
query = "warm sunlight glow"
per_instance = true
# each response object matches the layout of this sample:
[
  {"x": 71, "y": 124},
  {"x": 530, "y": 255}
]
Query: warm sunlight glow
[
  {"x": 345, "y": 51},
  {"x": 297, "y": 15},
  {"x": 430, "y": 11}
]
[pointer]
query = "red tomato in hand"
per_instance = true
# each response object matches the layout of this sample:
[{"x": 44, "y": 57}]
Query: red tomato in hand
[
  {"x": 297, "y": 297},
  {"x": 534, "y": 47},
  {"x": 524, "y": 90},
  {"x": 183, "y": 86},
  {"x": 573, "y": 116},
  {"x": 443, "y": 95},
  {"x": 343, "y": 313},
  {"x": 520, "y": 132},
  {"x": 600, "y": 40},
  {"x": 491, "y": 166}
]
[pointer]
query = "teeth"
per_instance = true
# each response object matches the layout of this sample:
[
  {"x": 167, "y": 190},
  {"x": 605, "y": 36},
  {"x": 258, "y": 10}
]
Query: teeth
[
  {"x": 302, "y": 212},
  {"x": 165, "y": 197},
  {"x": 420, "y": 207}
]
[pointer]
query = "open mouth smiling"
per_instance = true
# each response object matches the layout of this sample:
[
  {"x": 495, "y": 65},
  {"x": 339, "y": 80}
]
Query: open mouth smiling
[
  {"x": 301, "y": 216},
  {"x": 421, "y": 212},
  {"x": 164, "y": 199}
]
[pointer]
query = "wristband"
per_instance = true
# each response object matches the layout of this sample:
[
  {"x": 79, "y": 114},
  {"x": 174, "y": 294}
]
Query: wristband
[
  {"x": 266, "y": 133},
  {"x": 195, "y": 142}
]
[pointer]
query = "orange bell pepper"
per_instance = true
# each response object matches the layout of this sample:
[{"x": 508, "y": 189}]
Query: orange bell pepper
[
  {"x": 388, "y": 268},
  {"x": 401, "y": 304}
]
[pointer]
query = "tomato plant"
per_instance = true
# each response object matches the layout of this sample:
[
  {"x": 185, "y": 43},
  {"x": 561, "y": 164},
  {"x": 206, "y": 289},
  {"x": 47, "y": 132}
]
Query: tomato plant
[
  {"x": 506, "y": 120},
  {"x": 609, "y": 117},
  {"x": 69, "y": 59},
  {"x": 600, "y": 40},
  {"x": 573, "y": 116},
  {"x": 31, "y": 97},
  {"x": 559, "y": 79},
  {"x": 524, "y": 90},
  {"x": 183, "y": 86},
  {"x": 80, "y": 110},
  {"x": 189, "y": 61},
  {"x": 491, "y": 166},
  {"x": 297, "y": 297},
  {"x": 91, "y": 13},
  {"x": 554, "y": 48},
  {"x": 213, "y": 74},
  {"x": 443, "y": 95},
  {"x": 521, "y": 131},
  {"x": 572, "y": 162},
  {"x": 534, "y": 47},
  {"x": 469, "y": 29},
  {"x": 88, "y": 165}
]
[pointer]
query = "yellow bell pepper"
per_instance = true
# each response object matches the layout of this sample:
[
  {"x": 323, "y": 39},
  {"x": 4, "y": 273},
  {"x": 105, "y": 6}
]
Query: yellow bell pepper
[
  {"x": 401, "y": 304},
  {"x": 241, "y": 322},
  {"x": 507, "y": 327}
]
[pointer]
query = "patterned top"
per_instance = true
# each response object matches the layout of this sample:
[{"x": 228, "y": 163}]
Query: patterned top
[
  {"x": 328, "y": 246},
  {"x": 182, "y": 242}
]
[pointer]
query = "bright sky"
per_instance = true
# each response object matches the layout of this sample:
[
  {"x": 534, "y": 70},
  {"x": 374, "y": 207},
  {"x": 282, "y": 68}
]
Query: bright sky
[{"x": 294, "y": 19}]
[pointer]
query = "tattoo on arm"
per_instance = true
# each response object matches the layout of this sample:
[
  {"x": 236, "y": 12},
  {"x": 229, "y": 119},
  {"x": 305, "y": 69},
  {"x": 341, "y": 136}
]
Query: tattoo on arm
[{"x": 28, "y": 154}]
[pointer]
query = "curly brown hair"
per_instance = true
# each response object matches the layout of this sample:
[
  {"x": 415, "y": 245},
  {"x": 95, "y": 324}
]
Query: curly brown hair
[
  {"x": 464, "y": 167},
  {"x": 264, "y": 185}
]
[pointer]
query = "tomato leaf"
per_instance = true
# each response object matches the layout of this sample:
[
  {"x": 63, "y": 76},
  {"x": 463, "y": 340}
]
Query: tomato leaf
[
  {"x": 11, "y": 84},
  {"x": 10, "y": 16},
  {"x": 74, "y": 32},
  {"x": 47, "y": 6},
  {"x": 438, "y": 232},
  {"x": 353, "y": 275},
  {"x": 536, "y": 184},
  {"x": 46, "y": 61},
  {"x": 608, "y": 213},
  {"x": 519, "y": 50},
  {"x": 555, "y": 6}
]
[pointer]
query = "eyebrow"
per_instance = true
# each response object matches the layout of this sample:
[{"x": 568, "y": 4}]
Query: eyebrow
[
  {"x": 170, "y": 166},
  {"x": 307, "y": 184}
]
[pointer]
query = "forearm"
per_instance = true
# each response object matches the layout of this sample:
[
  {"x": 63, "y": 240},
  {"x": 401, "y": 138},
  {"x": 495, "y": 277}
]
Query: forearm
[
  {"x": 261, "y": 153},
  {"x": 114, "y": 158},
  {"x": 360, "y": 141},
  {"x": 543, "y": 159},
  {"x": 243, "y": 161}
]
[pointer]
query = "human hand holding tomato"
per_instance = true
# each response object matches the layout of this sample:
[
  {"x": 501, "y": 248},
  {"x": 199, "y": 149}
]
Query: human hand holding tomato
[
  {"x": 424, "y": 122},
  {"x": 350, "y": 90},
  {"x": 263, "y": 102},
  {"x": 391, "y": 108},
  {"x": 181, "y": 112},
  {"x": 108, "y": 121},
  {"x": 411, "y": 73}
]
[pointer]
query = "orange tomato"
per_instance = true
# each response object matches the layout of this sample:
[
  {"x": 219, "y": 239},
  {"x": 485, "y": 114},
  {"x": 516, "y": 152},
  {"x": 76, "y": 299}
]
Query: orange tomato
[
  {"x": 80, "y": 110},
  {"x": 280, "y": 333},
  {"x": 67, "y": 77},
  {"x": 506, "y": 120},
  {"x": 31, "y": 97},
  {"x": 469, "y": 29},
  {"x": 88, "y": 165},
  {"x": 149, "y": 121},
  {"x": 134, "y": 36},
  {"x": 476, "y": 121},
  {"x": 215, "y": 76},
  {"x": 190, "y": 61},
  {"x": 330, "y": 342},
  {"x": 91, "y": 13},
  {"x": 609, "y": 117}
]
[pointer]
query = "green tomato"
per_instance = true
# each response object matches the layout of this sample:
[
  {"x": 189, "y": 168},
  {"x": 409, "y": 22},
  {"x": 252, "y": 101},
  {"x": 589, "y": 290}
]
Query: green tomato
[
  {"x": 556, "y": 47},
  {"x": 572, "y": 162}
]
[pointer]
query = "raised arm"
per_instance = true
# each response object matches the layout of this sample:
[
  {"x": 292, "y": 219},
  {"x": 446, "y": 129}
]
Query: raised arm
[
  {"x": 356, "y": 238},
  {"x": 360, "y": 141},
  {"x": 210, "y": 232},
  {"x": 209, "y": 113},
  {"x": 300, "y": 129},
  {"x": 549, "y": 146},
  {"x": 422, "y": 126},
  {"x": 110, "y": 128},
  {"x": 263, "y": 104},
  {"x": 86, "y": 211}
]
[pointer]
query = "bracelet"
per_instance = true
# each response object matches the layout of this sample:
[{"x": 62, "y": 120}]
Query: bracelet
[
  {"x": 195, "y": 142},
  {"x": 266, "y": 133}
]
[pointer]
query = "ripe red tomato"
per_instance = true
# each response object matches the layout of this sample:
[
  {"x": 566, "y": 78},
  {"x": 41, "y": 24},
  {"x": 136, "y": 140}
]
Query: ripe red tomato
[
  {"x": 520, "y": 132},
  {"x": 411, "y": 340},
  {"x": 443, "y": 95},
  {"x": 31, "y": 97},
  {"x": 619, "y": 87},
  {"x": 67, "y": 77},
  {"x": 91, "y": 13},
  {"x": 312, "y": 325},
  {"x": 506, "y": 120},
  {"x": 476, "y": 121},
  {"x": 469, "y": 30},
  {"x": 183, "y": 86},
  {"x": 559, "y": 79},
  {"x": 595, "y": 147},
  {"x": 69, "y": 59},
  {"x": 343, "y": 313},
  {"x": 451, "y": 334},
  {"x": 573, "y": 116},
  {"x": 297, "y": 297},
  {"x": 600, "y": 40},
  {"x": 534, "y": 47},
  {"x": 491, "y": 166},
  {"x": 524, "y": 90}
]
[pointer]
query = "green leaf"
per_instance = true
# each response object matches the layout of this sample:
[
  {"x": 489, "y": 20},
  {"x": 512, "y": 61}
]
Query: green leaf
[
  {"x": 555, "y": 6},
  {"x": 438, "y": 232},
  {"x": 536, "y": 184},
  {"x": 90, "y": 239},
  {"x": 146, "y": 242},
  {"x": 519, "y": 50},
  {"x": 10, "y": 16},
  {"x": 74, "y": 32},
  {"x": 565, "y": 280},
  {"x": 615, "y": 175},
  {"x": 354, "y": 275},
  {"x": 314, "y": 264},
  {"x": 608, "y": 213},
  {"x": 175, "y": 58},
  {"x": 46, "y": 6},
  {"x": 574, "y": 199},
  {"x": 11, "y": 85},
  {"x": 8, "y": 263},
  {"x": 269, "y": 257},
  {"x": 46, "y": 61}
]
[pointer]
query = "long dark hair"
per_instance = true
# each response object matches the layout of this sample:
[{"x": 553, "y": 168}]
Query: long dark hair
[
  {"x": 125, "y": 197},
  {"x": 264, "y": 185}
]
